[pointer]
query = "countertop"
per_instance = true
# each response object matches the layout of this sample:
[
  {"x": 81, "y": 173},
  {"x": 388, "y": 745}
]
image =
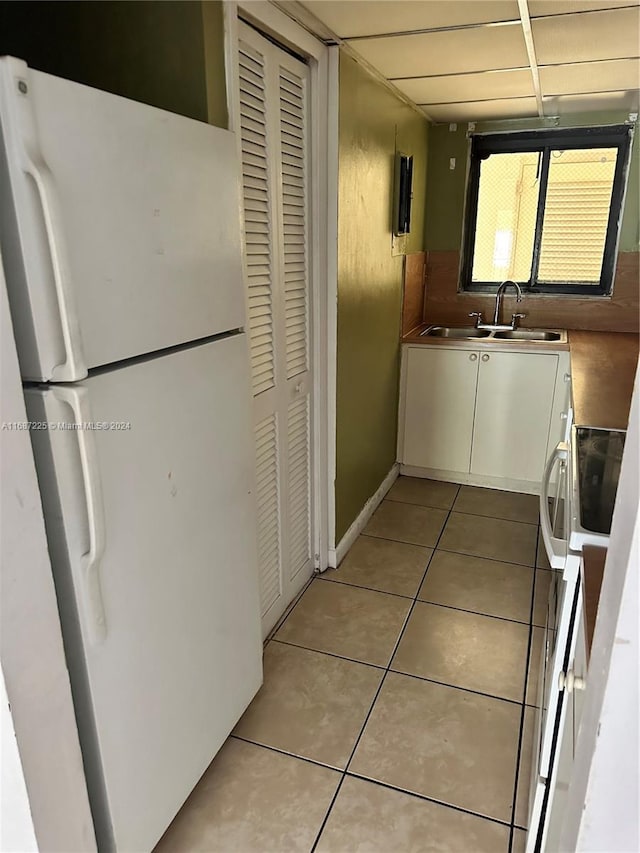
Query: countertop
[{"x": 603, "y": 367}]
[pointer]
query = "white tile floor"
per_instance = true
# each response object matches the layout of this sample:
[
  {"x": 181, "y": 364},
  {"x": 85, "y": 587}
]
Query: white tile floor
[{"x": 396, "y": 711}]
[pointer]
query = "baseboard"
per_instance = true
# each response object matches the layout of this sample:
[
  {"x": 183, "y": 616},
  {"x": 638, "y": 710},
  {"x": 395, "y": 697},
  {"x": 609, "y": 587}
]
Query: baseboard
[
  {"x": 337, "y": 554},
  {"x": 527, "y": 487}
]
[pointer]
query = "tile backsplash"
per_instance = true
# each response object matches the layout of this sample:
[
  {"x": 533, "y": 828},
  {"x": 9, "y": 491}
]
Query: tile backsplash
[
  {"x": 413, "y": 296},
  {"x": 444, "y": 304}
]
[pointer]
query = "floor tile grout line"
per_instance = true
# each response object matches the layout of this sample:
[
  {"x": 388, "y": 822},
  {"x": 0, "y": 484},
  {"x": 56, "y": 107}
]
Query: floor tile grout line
[
  {"x": 329, "y": 654},
  {"x": 456, "y": 687},
  {"x": 397, "y": 541},
  {"x": 429, "y": 601},
  {"x": 328, "y": 812},
  {"x": 462, "y": 553},
  {"x": 401, "y": 541},
  {"x": 368, "y": 588},
  {"x": 281, "y": 751},
  {"x": 413, "y": 503},
  {"x": 377, "y": 782},
  {"x": 483, "y": 557},
  {"x": 494, "y": 517},
  {"x": 373, "y": 704},
  {"x": 424, "y": 798},
  {"x": 474, "y": 612},
  {"x": 514, "y": 801},
  {"x": 355, "y": 746},
  {"x": 382, "y": 681},
  {"x": 399, "y": 672}
]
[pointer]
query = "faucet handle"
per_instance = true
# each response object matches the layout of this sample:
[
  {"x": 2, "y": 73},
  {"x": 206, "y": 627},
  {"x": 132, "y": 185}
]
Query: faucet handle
[
  {"x": 478, "y": 316},
  {"x": 515, "y": 318}
]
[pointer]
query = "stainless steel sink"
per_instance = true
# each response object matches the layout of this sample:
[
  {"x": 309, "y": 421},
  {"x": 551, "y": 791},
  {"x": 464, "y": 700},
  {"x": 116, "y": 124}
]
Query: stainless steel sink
[
  {"x": 455, "y": 332},
  {"x": 528, "y": 335}
]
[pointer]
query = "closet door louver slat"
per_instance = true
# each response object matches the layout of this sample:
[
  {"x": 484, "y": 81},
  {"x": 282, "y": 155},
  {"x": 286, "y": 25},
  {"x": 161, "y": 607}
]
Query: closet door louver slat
[
  {"x": 294, "y": 200},
  {"x": 268, "y": 512},
  {"x": 299, "y": 486},
  {"x": 257, "y": 216}
]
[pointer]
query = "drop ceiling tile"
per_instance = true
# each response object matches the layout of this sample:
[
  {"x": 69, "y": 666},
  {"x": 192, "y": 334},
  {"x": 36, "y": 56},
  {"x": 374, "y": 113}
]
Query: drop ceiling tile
[
  {"x": 468, "y": 87},
  {"x": 480, "y": 49},
  {"x": 561, "y": 7},
  {"x": 482, "y": 110},
  {"x": 614, "y": 34},
  {"x": 565, "y": 104},
  {"x": 366, "y": 18},
  {"x": 583, "y": 78}
]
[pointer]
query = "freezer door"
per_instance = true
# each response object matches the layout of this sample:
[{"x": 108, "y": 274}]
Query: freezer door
[
  {"x": 119, "y": 223},
  {"x": 152, "y": 533}
]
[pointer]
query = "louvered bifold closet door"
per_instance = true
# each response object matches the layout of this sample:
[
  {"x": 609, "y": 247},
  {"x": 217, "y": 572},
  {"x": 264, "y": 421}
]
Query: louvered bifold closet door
[
  {"x": 274, "y": 95},
  {"x": 293, "y": 196}
]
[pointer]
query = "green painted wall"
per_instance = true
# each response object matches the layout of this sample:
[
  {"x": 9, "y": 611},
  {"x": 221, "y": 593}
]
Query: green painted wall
[
  {"x": 168, "y": 54},
  {"x": 373, "y": 124},
  {"x": 446, "y": 196},
  {"x": 215, "y": 78}
]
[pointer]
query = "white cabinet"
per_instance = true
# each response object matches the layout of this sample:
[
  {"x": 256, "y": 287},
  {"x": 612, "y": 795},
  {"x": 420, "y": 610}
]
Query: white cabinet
[
  {"x": 513, "y": 410},
  {"x": 483, "y": 416},
  {"x": 439, "y": 407}
]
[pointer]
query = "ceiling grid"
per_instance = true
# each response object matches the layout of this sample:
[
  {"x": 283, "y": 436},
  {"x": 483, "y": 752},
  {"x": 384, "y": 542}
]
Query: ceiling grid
[{"x": 470, "y": 60}]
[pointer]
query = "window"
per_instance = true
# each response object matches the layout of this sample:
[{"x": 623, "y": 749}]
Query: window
[{"x": 544, "y": 209}]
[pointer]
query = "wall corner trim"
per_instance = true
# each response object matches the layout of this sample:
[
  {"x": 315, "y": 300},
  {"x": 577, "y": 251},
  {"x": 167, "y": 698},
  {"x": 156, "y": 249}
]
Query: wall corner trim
[{"x": 337, "y": 554}]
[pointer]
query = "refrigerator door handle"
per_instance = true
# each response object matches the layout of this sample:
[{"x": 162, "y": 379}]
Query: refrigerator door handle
[
  {"x": 91, "y": 594},
  {"x": 74, "y": 367}
]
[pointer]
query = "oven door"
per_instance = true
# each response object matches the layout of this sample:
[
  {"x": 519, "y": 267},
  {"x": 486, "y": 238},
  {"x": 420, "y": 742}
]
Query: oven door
[
  {"x": 550, "y": 779},
  {"x": 557, "y": 637}
]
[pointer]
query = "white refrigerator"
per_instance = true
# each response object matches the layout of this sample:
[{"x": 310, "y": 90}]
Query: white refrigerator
[{"x": 120, "y": 234}]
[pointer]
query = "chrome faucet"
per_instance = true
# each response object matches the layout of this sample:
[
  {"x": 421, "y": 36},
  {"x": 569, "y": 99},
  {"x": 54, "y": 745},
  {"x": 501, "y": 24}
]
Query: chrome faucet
[
  {"x": 499, "y": 292},
  {"x": 496, "y": 326}
]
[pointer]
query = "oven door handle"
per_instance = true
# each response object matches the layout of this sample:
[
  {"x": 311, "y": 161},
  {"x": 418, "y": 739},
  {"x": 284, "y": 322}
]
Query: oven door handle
[{"x": 556, "y": 548}]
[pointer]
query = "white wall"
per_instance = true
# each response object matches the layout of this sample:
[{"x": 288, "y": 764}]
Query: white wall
[
  {"x": 604, "y": 795},
  {"x": 31, "y": 651}
]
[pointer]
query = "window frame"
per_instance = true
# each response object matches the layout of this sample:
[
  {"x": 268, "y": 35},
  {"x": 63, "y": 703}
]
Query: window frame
[{"x": 611, "y": 136}]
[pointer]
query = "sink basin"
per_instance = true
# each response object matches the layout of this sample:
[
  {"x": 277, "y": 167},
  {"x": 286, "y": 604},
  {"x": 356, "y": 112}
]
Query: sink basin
[
  {"x": 455, "y": 332},
  {"x": 528, "y": 335}
]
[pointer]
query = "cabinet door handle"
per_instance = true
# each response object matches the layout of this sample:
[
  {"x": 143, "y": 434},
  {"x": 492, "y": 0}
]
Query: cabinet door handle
[
  {"x": 473, "y": 356},
  {"x": 485, "y": 357}
]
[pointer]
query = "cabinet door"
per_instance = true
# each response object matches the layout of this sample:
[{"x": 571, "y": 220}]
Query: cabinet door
[
  {"x": 513, "y": 411},
  {"x": 440, "y": 399}
]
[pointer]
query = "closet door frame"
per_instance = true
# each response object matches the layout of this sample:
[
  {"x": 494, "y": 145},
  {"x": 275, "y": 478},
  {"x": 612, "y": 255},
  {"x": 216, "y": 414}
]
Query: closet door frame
[{"x": 323, "y": 171}]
